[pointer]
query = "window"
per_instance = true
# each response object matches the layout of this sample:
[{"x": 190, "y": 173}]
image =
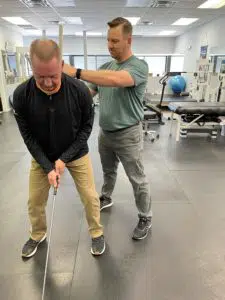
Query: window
[
  {"x": 156, "y": 64},
  {"x": 66, "y": 59},
  {"x": 91, "y": 62},
  {"x": 12, "y": 64},
  {"x": 102, "y": 60},
  {"x": 220, "y": 64},
  {"x": 177, "y": 63},
  {"x": 79, "y": 61}
]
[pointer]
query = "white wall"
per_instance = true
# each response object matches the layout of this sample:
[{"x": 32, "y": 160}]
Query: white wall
[
  {"x": 98, "y": 46},
  {"x": 211, "y": 34},
  {"x": 15, "y": 39},
  {"x": 154, "y": 45}
]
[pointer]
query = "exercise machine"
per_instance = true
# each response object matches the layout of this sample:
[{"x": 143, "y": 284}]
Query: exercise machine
[
  {"x": 163, "y": 82},
  {"x": 23, "y": 63},
  {"x": 9, "y": 65}
]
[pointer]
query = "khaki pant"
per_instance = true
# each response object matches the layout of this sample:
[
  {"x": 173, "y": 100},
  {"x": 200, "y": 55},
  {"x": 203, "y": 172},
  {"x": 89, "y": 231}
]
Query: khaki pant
[{"x": 82, "y": 173}]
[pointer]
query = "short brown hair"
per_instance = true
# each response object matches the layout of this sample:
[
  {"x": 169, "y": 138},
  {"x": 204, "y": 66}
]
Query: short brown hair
[
  {"x": 45, "y": 50},
  {"x": 127, "y": 27}
]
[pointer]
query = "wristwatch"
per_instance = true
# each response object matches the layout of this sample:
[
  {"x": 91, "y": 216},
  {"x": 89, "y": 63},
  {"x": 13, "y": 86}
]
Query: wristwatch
[{"x": 78, "y": 73}]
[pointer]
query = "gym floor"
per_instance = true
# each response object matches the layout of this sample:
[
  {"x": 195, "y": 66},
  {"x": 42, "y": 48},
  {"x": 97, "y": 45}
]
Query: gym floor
[{"x": 183, "y": 258}]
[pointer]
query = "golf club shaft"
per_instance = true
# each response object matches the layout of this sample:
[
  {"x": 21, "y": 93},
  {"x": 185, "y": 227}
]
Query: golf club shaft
[{"x": 49, "y": 242}]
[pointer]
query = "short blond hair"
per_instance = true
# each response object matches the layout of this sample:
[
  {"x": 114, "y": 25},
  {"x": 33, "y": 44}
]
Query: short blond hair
[{"x": 45, "y": 50}]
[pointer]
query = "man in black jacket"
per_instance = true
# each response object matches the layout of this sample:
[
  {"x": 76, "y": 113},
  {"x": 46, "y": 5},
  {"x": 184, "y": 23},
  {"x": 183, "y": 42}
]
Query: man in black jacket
[{"x": 55, "y": 116}]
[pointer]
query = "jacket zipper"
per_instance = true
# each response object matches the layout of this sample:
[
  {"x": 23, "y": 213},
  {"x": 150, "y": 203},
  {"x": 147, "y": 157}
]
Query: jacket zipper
[{"x": 52, "y": 124}]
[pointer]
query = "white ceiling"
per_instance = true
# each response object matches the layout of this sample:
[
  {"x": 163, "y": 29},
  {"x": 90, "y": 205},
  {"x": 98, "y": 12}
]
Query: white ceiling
[{"x": 96, "y": 13}]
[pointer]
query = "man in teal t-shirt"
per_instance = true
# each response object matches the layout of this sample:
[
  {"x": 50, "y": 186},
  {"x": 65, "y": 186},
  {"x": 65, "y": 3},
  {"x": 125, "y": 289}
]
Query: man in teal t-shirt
[
  {"x": 122, "y": 107},
  {"x": 121, "y": 85}
]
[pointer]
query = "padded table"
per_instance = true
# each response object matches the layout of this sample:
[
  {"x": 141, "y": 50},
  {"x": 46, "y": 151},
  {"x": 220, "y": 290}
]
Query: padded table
[{"x": 198, "y": 111}]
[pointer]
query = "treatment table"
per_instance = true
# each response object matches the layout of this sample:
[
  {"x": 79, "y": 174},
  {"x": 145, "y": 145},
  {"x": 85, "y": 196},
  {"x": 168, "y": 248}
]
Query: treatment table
[{"x": 197, "y": 115}]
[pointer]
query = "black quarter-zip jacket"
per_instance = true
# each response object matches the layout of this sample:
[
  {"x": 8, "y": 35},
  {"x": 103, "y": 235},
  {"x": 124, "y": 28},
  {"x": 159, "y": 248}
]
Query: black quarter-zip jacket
[{"x": 54, "y": 126}]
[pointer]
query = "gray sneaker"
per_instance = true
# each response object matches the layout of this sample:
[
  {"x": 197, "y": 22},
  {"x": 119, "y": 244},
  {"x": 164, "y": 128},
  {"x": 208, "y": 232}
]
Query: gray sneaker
[
  {"x": 142, "y": 228},
  {"x": 105, "y": 202},
  {"x": 98, "y": 245},
  {"x": 30, "y": 247}
]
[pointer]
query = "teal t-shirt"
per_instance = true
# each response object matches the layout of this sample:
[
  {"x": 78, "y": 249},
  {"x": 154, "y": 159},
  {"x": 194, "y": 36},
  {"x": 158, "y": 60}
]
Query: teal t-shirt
[{"x": 122, "y": 107}]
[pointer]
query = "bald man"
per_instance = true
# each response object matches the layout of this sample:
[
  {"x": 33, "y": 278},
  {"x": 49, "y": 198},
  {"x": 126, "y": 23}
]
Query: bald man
[{"x": 55, "y": 116}]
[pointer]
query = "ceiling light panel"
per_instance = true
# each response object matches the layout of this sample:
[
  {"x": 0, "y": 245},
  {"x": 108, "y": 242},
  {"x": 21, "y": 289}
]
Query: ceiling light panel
[
  {"x": 63, "y": 3},
  {"x": 16, "y": 20},
  {"x": 167, "y": 32},
  {"x": 185, "y": 21},
  {"x": 214, "y": 4},
  {"x": 137, "y": 3},
  {"x": 32, "y": 32},
  {"x": 73, "y": 20}
]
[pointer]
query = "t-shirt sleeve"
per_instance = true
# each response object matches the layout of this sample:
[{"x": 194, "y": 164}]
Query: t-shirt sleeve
[
  {"x": 93, "y": 86},
  {"x": 138, "y": 71}
]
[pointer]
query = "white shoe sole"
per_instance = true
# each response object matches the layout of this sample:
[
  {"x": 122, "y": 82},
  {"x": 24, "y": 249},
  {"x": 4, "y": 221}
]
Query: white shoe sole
[
  {"x": 106, "y": 206},
  {"x": 35, "y": 250},
  {"x": 99, "y": 253}
]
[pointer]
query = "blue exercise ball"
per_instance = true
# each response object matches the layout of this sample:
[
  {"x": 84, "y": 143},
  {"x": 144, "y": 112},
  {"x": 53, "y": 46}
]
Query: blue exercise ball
[{"x": 177, "y": 84}]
